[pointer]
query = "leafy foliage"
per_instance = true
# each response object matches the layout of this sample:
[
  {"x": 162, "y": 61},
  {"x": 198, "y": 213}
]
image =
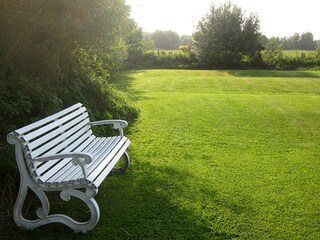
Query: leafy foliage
[
  {"x": 225, "y": 35},
  {"x": 56, "y": 53},
  {"x": 178, "y": 59},
  {"x": 166, "y": 40},
  {"x": 304, "y": 41}
]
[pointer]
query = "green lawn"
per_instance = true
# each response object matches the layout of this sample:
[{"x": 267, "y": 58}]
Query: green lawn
[{"x": 215, "y": 155}]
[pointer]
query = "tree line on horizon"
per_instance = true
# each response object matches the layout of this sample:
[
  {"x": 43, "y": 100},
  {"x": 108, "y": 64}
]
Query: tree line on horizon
[{"x": 170, "y": 40}]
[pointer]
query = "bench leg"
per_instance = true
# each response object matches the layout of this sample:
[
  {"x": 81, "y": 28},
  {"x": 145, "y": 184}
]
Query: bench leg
[
  {"x": 43, "y": 212},
  {"x": 122, "y": 165}
]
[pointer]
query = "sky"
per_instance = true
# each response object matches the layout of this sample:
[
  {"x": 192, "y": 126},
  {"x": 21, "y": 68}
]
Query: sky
[{"x": 277, "y": 17}]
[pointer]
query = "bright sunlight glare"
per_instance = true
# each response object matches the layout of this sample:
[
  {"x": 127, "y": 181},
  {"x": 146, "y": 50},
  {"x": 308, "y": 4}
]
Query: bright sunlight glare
[{"x": 277, "y": 17}]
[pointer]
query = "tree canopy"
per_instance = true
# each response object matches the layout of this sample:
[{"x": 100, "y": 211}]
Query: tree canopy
[
  {"x": 56, "y": 53},
  {"x": 166, "y": 40},
  {"x": 225, "y": 36},
  {"x": 304, "y": 41}
]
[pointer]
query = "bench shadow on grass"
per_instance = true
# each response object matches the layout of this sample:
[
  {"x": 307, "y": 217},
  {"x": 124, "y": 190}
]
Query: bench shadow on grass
[
  {"x": 156, "y": 205},
  {"x": 272, "y": 73},
  {"x": 139, "y": 206}
]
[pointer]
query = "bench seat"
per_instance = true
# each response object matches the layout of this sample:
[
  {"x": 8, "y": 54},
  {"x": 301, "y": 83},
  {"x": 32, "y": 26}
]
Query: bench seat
[{"x": 61, "y": 173}]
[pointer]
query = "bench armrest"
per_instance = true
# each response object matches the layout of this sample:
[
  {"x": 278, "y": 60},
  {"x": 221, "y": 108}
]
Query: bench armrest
[
  {"x": 77, "y": 159},
  {"x": 117, "y": 124}
]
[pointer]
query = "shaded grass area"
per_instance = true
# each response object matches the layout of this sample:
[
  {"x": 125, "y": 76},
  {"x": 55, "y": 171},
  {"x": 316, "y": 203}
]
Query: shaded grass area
[{"x": 215, "y": 155}]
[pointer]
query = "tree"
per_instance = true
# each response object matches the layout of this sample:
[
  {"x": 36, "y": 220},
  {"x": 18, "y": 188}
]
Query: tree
[
  {"x": 35, "y": 31},
  {"x": 263, "y": 40},
  {"x": 307, "y": 42},
  {"x": 56, "y": 53},
  {"x": 294, "y": 42},
  {"x": 225, "y": 36},
  {"x": 167, "y": 40},
  {"x": 186, "y": 40}
]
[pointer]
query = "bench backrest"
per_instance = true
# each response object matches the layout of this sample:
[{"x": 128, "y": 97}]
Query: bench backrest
[{"x": 66, "y": 129}]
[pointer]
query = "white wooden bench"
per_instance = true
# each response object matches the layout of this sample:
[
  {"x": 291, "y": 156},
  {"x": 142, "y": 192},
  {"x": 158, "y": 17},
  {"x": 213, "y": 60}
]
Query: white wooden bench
[{"x": 61, "y": 153}]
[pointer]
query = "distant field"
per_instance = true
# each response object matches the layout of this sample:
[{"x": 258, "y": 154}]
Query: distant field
[
  {"x": 215, "y": 155},
  {"x": 297, "y": 53}
]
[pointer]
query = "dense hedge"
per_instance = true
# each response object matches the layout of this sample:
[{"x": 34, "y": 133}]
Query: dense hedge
[
  {"x": 277, "y": 59},
  {"x": 185, "y": 58},
  {"x": 172, "y": 59}
]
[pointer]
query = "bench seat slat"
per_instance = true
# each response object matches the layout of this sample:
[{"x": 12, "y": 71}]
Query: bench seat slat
[
  {"x": 68, "y": 175},
  {"x": 107, "y": 147},
  {"x": 104, "y": 146},
  {"x": 97, "y": 146},
  {"x": 105, "y": 151},
  {"x": 77, "y": 173},
  {"x": 50, "y": 171},
  {"x": 44, "y": 121},
  {"x": 91, "y": 145},
  {"x": 93, "y": 174},
  {"x": 51, "y": 125},
  {"x": 48, "y": 165},
  {"x": 65, "y": 171},
  {"x": 112, "y": 163}
]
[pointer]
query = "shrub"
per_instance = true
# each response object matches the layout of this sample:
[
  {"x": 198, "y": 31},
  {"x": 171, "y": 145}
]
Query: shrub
[{"x": 177, "y": 59}]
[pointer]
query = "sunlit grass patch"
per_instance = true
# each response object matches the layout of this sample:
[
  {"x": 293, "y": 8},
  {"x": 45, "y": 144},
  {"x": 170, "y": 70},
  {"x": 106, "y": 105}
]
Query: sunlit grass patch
[{"x": 237, "y": 151}]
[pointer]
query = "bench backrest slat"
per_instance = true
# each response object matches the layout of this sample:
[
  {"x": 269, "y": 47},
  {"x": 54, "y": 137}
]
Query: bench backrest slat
[
  {"x": 55, "y": 145},
  {"x": 44, "y": 121},
  {"x": 51, "y": 125},
  {"x": 58, "y": 131}
]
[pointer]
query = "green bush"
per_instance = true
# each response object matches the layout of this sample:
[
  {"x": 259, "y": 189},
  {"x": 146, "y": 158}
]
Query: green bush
[
  {"x": 170, "y": 59},
  {"x": 276, "y": 59}
]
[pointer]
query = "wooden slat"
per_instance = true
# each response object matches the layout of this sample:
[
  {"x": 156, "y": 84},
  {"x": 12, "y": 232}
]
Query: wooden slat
[
  {"x": 69, "y": 168},
  {"x": 92, "y": 175},
  {"x": 49, "y": 164},
  {"x": 54, "y": 170},
  {"x": 66, "y": 139},
  {"x": 91, "y": 145},
  {"x": 66, "y": 170},
  {"x": 58, "y": 131},
  {"x": 59, "y": 165},
  {"x": 68, "y": 175},
  {"x": 97, "y": 142},
  {"x": 109, "y": 167},
  {"x": 107, "y": 146},
  {"x": 51, "y": 125},
  {"x": 102, "y": 147},
  {"x": 99, "y": 158},
  {"x": 44, "y": 121}
]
